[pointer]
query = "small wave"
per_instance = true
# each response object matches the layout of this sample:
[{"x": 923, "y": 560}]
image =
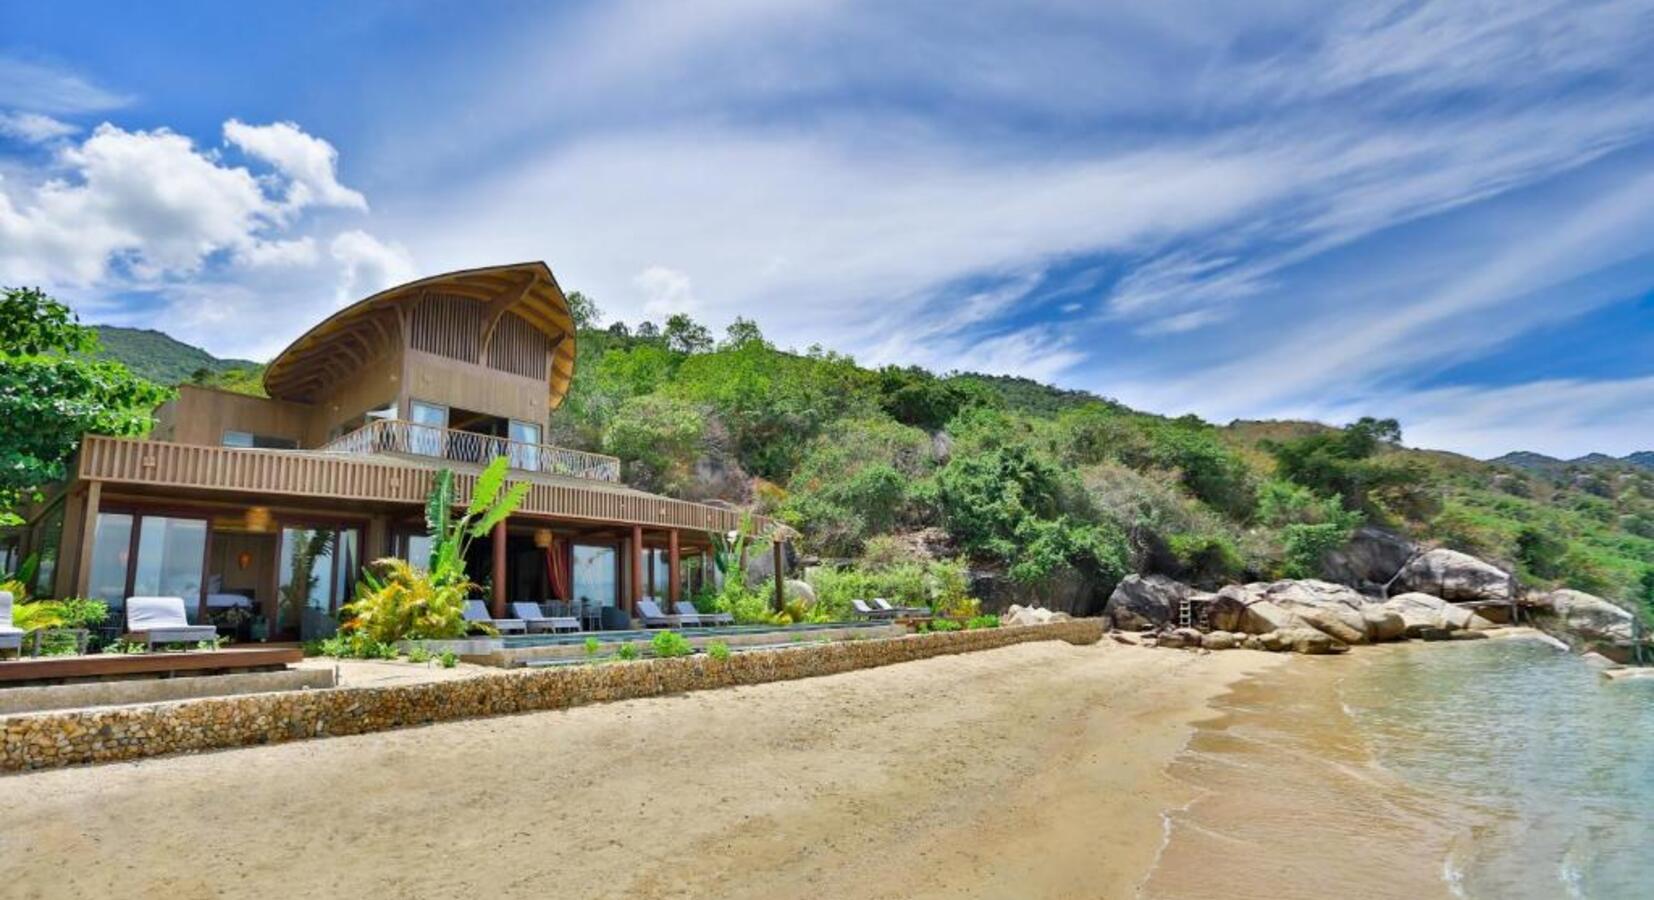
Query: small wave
[{"x": 1453, "y": 874}]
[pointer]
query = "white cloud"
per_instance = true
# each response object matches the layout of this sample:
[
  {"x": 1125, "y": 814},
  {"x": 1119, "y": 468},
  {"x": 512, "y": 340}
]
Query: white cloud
[
  {"x": 44, "y": 88},
  {"x": 665, "y": 291},
  {"x": 148, "y": 205},
  {"x": 368, "y": 265},
  {"x": 1565, "y": 417},
  {"x": 278, "y": 253},
  {"x": 145, "y": 196},
  {"x": 34, "y": 128},
  {"x": 310, "y": 163}
]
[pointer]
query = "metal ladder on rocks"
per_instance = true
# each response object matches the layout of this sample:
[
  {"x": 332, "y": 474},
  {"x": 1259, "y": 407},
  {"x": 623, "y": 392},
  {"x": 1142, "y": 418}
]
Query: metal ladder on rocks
[{"x": 1185, "y": 613}]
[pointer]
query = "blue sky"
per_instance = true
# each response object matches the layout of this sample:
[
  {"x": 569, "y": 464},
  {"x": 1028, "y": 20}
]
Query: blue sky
[{"x": 1435, "y": 211}]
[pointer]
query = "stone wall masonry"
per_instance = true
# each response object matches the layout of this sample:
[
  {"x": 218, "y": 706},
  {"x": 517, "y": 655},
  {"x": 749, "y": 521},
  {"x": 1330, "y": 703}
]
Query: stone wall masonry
[{"x": 64, "y": 738}]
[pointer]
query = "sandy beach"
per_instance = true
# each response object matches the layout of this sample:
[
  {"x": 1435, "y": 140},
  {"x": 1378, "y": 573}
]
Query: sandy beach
[{"x": 1035, "y": 770}]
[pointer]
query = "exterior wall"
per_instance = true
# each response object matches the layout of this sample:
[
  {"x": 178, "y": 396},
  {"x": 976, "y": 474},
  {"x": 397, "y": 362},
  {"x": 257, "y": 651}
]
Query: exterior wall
[
  {"x": 201, "y": 415},
  {"x": 376, "y": 383},
  {"x": 467, "y": 385},
  {"x": 47, "y": 740}
]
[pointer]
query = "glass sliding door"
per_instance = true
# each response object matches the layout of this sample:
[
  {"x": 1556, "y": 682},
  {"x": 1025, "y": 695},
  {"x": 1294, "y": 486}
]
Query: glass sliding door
[
  {"x": 428, "y": 433},
  {"x": 525, "y": 446},
  {"x": 172, "y": 555},
  {"x": 596, "y": 580},
  {"x": 316, "y": 572},
  {"x": 111, "y": 551}
]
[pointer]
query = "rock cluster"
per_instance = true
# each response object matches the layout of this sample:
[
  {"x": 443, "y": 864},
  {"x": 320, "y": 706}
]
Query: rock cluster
[
  {"x": 106, "y": 734},
  {"x": 1429, "y": 595},
  {"x": 1032, "y": 615}
]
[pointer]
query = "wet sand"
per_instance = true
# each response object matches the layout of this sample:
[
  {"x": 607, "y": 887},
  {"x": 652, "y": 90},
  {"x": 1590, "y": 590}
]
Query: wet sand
[
  {"x": 1032, "y": 771},
  {"x": 1292, "y": 803}
]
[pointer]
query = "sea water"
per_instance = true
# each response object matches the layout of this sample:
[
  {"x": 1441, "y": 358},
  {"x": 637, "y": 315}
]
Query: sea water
[
  {"x": 1560, "y": 759},
  {"x": 1497, "y": 768}
]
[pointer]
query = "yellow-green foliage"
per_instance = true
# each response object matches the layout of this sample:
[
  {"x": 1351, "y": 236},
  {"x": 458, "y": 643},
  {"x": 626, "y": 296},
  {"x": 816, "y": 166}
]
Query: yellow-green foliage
[{"x": 402, "y": 602}]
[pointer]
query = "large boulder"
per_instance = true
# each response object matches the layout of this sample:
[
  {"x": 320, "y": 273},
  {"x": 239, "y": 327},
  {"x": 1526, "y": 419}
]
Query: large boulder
[
  {"x": 1031, "y": 615},
  {"x": 1332, "y": 609},
  {"x": 1455, "y": 577},
  {"x": 1421, "y": 612},
  {"x": 1371, "y": 558},
  {"x": 1145, "y": 601},
  {"x": 1586, "y": 621}
]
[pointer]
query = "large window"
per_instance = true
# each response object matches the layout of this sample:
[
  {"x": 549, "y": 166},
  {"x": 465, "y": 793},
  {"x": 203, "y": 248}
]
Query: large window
[
  {"x": 48, "y": 535},
  {"x": 259, "y": 441},
  {"x": 171, "y": 555},
  {"x": 317, "y": 570},
  {"x": 595, "y": 575},
  {"x": 427, "y": 435},
  {"x": 111, "y": 551},
  {"x": 525, "y": 445}
]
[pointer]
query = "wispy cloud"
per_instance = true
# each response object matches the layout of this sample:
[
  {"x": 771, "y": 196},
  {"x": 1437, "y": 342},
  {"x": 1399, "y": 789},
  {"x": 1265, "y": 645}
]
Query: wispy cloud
[{"x": 41, "y": 87}]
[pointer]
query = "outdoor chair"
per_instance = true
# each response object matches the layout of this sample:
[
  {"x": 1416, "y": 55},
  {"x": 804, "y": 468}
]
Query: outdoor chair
[
  {"x": 687, "y": 610},
  {"x": 11, "y": 637},
  {"x": 161, "y": 620},
  {"x": 884, "y": 606},
  {"x": 476, "y": 611},
  {"x": 861, "y": 608},
  {"x": 653, "y": 618},
  {"x": 539, "y": 622}
]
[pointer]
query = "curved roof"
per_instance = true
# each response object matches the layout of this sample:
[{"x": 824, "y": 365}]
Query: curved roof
[{"x": 345, "y": 340}]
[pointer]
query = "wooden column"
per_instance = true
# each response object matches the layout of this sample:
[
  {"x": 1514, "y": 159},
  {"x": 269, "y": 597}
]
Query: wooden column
[
  {"x": 673, "y": 574},
  {"x": 779, "y": 549},
  {"x": 498, "y": 610},
  {"x": 637, "y": 567},
  {"x": 88, "y": 534}
]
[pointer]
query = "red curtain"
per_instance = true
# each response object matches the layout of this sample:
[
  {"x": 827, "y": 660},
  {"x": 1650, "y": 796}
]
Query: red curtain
[{"x": 557, "y": 569}]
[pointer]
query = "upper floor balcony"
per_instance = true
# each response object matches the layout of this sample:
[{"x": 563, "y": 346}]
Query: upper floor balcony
[{"x": 400, "y": 438}]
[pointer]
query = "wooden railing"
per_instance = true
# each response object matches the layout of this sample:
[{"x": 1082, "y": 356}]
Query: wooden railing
[
  {"x": 311, "y": 474},
  {"x": 412, "y": 439}
]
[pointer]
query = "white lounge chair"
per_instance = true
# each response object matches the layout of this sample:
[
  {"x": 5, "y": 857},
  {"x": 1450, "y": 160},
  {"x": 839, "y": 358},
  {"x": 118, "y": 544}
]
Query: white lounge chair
[
  {"x": 653, "y": 618},
  {"x": 687, "y": 612},
  {"x": 884, "y": 606},
  {"x": 477, "y": 611},
  {"x": 538, "y": 622},
  {"x": 11, "y": 637},
  {"x": 161, "y": 620},
  {"x": 861, "y": 608}
]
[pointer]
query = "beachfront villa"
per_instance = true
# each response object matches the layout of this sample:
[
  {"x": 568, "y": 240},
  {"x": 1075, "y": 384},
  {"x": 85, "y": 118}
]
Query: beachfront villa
[{"x": 260, "y": 512}]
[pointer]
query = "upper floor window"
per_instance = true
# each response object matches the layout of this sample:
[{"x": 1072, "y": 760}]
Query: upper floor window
[{"x": 260, "y": 441}]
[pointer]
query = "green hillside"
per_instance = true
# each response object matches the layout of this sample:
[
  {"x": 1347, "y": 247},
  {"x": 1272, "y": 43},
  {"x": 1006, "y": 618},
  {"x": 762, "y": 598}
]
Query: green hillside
[
  {"x": 166, "y": 360},
  {"x": 1036, "y": 481}
]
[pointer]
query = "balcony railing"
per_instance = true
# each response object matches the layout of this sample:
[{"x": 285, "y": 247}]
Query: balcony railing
[{"x": 411, "y": 439}]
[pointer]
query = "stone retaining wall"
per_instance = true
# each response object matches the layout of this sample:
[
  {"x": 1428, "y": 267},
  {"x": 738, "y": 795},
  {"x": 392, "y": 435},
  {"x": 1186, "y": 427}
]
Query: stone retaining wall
[{"x": 45, "y": 740}]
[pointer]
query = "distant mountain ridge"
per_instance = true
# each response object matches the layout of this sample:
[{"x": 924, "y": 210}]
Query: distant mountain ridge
[
  {"x": 160, "y": 357},
  {"x": 1539, "y": 462}
]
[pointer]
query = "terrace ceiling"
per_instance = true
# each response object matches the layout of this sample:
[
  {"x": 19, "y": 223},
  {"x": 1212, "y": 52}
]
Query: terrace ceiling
[{"x": 350, "y": 338}]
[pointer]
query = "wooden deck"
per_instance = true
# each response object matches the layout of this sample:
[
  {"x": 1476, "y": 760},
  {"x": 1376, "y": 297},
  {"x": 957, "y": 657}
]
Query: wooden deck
[
  {"x": 145, "y": 665},
  {"x": 305, "y": 473}
]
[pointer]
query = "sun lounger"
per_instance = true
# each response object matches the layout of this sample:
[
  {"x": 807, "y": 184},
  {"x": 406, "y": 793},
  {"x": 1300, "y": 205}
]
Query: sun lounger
[
  {"x": 161, "y": 620},
  {"x": 867, "y": 612},
  {"x": 477, "y": 611},
  {"x": 11, "y": 637},
  {"x": 653, "y": 618},
  {"x": 884, "y": 606},
  {"x": 687, "y": 611},
  {"x": 539, "y": 622}
]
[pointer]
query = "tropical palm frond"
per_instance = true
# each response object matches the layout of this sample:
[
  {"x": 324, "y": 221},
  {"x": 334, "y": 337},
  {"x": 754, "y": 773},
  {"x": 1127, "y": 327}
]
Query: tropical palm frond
[
  {"x": 505, "y": 507},
  {"x": 487, "y": 486},
  {"x": 439, "y": 510}
]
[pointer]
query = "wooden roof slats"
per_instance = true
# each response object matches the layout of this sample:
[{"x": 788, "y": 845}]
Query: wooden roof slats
[{"x": 349, "y": 338}]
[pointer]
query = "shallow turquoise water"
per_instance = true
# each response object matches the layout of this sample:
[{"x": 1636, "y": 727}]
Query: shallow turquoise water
[{"x": 1562, "y": 759}]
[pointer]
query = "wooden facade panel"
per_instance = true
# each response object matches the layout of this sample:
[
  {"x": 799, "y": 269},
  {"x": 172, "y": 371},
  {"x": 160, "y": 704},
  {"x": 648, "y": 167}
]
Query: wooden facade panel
[
  {"x": 201, "y": 415},
  {"x": 289, "y": 473},
  {"x": 466, "y": 385}
]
